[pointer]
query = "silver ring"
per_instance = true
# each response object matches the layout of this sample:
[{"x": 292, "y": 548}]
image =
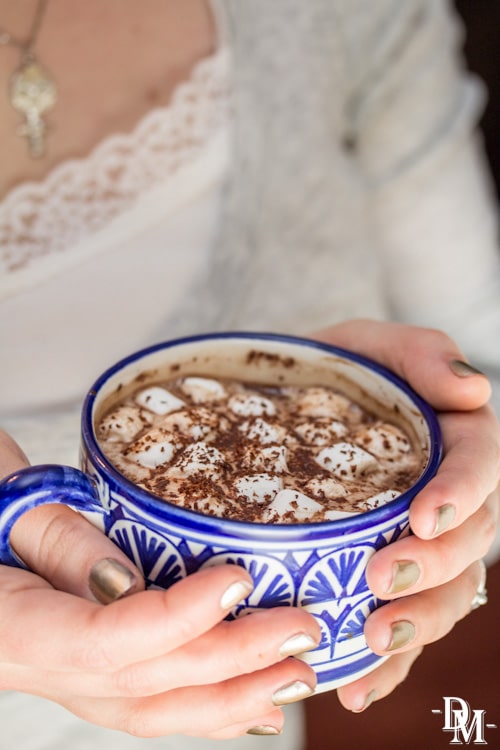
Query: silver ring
[{"x": 481, "y": 595}]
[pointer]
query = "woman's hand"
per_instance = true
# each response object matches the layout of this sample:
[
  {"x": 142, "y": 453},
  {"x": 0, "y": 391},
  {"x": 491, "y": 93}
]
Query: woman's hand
[
  {"x": 431, "y": 577},
  {"x": 151, "y": 662}
]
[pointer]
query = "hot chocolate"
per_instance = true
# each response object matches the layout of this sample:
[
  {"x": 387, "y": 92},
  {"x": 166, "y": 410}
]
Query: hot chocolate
[{"x": 252, "y": 452}]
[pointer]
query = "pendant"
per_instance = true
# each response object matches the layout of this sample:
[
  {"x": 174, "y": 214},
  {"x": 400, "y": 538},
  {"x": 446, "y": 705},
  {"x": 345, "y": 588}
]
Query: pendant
[{"x": 33, "y": 92}]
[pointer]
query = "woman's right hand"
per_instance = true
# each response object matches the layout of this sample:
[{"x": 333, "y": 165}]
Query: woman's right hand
[{"x": 149, "y": 663}]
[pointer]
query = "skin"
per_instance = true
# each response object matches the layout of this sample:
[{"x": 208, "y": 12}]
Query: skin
[{"x": 132, "y": 665}]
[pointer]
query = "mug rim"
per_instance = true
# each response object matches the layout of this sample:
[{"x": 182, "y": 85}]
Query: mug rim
[{"x": 184, "y": 517}]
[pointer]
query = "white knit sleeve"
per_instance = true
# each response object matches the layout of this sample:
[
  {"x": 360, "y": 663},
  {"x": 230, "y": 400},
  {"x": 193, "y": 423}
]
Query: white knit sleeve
[{"x": 414, "y": 117}]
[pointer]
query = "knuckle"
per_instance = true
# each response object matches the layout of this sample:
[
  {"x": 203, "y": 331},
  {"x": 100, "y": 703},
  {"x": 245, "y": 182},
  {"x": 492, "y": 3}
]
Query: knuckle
[
  {"x": 92, "y": 657},
  {"x": 133, "y": 681},
  {"x": 136, "y": 722}
]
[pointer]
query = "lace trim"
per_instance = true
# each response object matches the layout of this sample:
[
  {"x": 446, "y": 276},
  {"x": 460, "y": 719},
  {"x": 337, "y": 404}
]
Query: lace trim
[{"x": 81, "y": 196}]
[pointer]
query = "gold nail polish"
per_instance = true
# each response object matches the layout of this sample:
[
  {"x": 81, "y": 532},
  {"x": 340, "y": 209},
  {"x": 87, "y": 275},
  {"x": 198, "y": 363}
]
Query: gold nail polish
[
  {"x": 444, "y": 517},
  {"x": 294, "y": 691},
  {"x": 297, "y": 644},
  {"x": 368, "y": 701},
  {"x": 109, "y": 580},
  {"x": 405, "y": 574},
  {"x": 235, "y": 593},
  {"x": 264, "y": 729},
  {"x": 463, "y": 369},
  {"x": 402, "y": 633}
]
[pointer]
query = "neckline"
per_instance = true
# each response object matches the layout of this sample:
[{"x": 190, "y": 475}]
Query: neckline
[{"x": 42, "y": 186}]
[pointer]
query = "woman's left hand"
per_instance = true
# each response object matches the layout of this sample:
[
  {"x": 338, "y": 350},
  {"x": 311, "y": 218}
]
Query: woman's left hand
[{"x": 431, "y": 577}]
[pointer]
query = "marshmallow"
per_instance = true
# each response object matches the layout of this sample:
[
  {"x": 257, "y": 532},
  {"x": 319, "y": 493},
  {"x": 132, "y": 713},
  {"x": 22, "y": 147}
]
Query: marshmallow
[
  {"x": 326, "y": 487},
  {"x": 251, "y": 405},
  {"x": 321, "y": 431},
  {"x": 292, "y": 503},
  {"x": 197, "y": 423},
  {"x": 321, "y": 402},
  {"x": 258, "y": 488},
  {"x": 271, "y": 458},
  {"x": 381, "y": 498},
  {"x": 122, "y": 424},
  {"x": 346, "y": 460},
  {"x": 203, "y": 389},
  {"x": 158, "y": 400},
  {"x": 198, "y": 458},
  {"x": 337, "y": 515},
  {"x": 384, "y": 440},
  {"x": 262, "y": 431},
  {"x": 153, "y": 449}
]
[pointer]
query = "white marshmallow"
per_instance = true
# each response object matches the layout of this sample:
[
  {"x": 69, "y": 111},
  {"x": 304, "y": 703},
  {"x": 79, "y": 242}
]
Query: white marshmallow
[
  {"x": 197, "y": 423},
  {"x": 158, "y": 400},
  {"x": 346, "y": 461},
  {"x": 262, "y": 431},
  {"x": 337, "y": 515},
  {"x": 302, "y": 508},
  {"x": 329, "y": 488},
  {"x": 251, "y": 405},
  {"x": 203, "y": 389},
  {"x": 321, "y": 402},
  {"x": 198, "y": 458},
  {"x": 321, "y": 431},
  {"x": 153, "y": 449},
  {"x": 258, "y": 488},
  {"x": 267, "y": 459},
  {"x": 385, "y": 441},
  {"x": 381, "y": 498},
  {"x": 122, "y": 424}
]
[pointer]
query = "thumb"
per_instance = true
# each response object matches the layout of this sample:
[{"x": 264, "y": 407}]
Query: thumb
[
  {"x": 60, "y": 545},
  {"x": 427, "y": 359}
]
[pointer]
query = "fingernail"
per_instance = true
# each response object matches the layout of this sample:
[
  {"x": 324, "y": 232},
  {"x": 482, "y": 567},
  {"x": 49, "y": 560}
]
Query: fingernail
[
  {"x": 405, "y": 574},
  {"x": 297, "y": 644},
  {"x": 444, "y": 516},
  {"x": 235, "y": 594},
  {"x": 402, "y": 633},
  {"x": 264, "y": 729},
  {"x": 368, "y": 701},
  {"x": 294, "y": 691},
  {"x": 109, "y": 580},
  {"x": 463, "y": 369}
]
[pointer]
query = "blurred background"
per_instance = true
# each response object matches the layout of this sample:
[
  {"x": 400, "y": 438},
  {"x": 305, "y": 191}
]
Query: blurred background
[
  {"x": 482, "y": 48},
  {"x": 466, "y": 663}
]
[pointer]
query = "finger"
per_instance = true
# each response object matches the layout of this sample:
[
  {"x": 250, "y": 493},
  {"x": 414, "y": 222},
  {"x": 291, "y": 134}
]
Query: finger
[
  {"x": 77, "y": 635},
  {"x": 469, "y": 472},
  {"x": 422, "y": 356},
  {"x": 12, "y": 457},
  {"x": 359, "y": 695},
  {"x": 74, "y": 556},
  {"x": 240, "y": 702},
  {"x": 411, "y": 564},
  {"x": 400, "y": 630},
  {"x": 422, "y": 618},
  {"x": 229, "y": 649}
]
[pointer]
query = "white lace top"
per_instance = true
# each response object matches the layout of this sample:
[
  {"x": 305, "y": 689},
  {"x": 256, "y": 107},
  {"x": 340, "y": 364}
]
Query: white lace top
[{"x": 80, "y": 251}]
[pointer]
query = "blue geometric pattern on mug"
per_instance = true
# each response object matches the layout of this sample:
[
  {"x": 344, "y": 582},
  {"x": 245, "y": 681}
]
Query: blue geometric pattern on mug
[
  {"x": 339, "y": 574},
  {"x": 345, "y": 624},
  {"x": 273, "y": 584},
  {"x": 156, "y": 557}
]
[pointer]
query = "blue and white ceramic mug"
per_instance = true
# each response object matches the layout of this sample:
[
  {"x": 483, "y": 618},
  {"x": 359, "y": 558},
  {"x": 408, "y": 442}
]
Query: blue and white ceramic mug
[{"x": 318, "y": 566}]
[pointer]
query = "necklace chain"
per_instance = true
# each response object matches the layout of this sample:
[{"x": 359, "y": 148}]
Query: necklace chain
[
  {"x": 31, "y": 90},
  {"x": 27, "y": 47}
]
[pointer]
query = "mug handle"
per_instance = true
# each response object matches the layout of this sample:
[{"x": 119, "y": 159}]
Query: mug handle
[{"x": 41, "y": 485}]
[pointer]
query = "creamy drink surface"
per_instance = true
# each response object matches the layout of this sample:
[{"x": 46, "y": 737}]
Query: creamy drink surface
[{"x": 250, "y": 452}]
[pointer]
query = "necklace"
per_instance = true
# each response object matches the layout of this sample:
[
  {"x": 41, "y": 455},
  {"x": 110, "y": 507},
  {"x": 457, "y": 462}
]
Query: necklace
[{"x": 31, "y": 89}]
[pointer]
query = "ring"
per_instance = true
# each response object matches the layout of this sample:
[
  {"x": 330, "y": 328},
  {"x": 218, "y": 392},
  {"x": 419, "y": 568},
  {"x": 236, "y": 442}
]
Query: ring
[{"x": 481, "y": 595}]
